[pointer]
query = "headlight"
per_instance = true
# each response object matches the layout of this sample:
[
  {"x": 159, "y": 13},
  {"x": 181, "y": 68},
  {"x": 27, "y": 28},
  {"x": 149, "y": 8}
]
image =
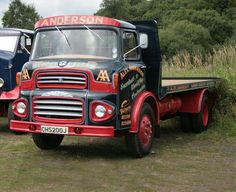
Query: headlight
[
  {"x": 1, "y": 82},
  {"x": 21, "y": 107},
  {"x": 100, "y": 111}
]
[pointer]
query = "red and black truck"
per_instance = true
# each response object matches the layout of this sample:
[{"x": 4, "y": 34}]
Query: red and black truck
[{"x": 101, "y": 77}]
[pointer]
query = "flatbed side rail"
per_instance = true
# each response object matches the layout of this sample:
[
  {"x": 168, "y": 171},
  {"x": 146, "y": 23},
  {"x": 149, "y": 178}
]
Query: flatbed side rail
[{"x": 180, "y": 84}]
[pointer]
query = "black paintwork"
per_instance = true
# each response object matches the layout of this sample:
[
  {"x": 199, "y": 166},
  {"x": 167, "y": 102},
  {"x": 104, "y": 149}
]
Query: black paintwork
[{"x": 152, "y": 55}]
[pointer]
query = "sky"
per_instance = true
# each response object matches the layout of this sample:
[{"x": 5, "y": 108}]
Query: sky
[{"x": 47, "y": 8}]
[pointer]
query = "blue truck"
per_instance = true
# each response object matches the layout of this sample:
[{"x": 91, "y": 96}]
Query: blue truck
[{"x": 15, "y": 46}]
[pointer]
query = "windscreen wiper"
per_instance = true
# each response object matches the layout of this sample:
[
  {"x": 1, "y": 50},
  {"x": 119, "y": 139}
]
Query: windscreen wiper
[
  {"x": 64, "y": 35},
  {"x": 93, "y": 32}
]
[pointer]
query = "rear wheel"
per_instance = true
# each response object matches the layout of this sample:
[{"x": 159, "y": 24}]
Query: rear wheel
[
  {"x": 47, "y": 141},
  {"x": 200, "y": 120},
  {"x": 186, "y": 124},
  {"x": 196, "y": 122},
  {"x": 140, "y": 144}
]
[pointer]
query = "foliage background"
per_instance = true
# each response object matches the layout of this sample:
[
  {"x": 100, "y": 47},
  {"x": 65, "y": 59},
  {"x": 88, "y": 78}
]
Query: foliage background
[{"x": 192, "y": 25}]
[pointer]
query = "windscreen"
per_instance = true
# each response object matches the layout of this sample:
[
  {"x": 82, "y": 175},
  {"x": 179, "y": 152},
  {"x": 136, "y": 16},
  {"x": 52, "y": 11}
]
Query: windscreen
[
  {"x": 8, "y": 43},
  {"x": 75, "y": 43}
]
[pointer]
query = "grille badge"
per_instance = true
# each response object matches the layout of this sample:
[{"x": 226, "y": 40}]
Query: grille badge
[{"x": 62, "y": 63}]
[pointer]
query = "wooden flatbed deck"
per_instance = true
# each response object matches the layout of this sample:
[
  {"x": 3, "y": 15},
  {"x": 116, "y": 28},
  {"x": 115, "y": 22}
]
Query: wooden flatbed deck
[{"x": 173, "y": 85}]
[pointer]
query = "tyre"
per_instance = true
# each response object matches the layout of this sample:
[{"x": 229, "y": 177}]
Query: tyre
[
  {"x": 200, "y": 120},
  {"x": 186, "y": 124},
  {"x": 11, "y": 116},
  {"x": 140, "y": 144},
  {"x": 47, "y": 141}
]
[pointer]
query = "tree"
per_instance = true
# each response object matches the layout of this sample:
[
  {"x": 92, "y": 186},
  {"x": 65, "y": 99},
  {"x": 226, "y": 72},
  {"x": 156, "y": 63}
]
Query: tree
[
  {"x": 114, "y": 8},
  {"x": 20, "y": 15}
]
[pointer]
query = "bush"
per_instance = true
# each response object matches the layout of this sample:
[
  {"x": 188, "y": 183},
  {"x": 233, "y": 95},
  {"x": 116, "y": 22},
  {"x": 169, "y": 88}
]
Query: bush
[
  {"x": 184, "y": 35},
  {"x": 219, "y": 27}
]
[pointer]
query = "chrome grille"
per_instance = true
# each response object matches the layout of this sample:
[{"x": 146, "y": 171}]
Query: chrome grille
[
  {"x": 61, "y": 80},
  {"x": 58, "y": 109}
]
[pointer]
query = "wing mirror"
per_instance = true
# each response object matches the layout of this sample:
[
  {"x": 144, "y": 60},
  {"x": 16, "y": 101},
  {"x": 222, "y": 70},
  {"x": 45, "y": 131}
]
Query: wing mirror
[{"x": 143, "y": 40}]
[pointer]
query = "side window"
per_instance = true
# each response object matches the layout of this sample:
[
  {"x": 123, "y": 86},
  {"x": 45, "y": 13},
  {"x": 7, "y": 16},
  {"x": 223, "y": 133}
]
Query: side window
[
  {"x": 25, "y": 45},
  {"x": 130, "y": 42}
]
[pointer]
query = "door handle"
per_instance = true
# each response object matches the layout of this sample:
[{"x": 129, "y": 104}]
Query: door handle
[{"x": 9, "y": 66}]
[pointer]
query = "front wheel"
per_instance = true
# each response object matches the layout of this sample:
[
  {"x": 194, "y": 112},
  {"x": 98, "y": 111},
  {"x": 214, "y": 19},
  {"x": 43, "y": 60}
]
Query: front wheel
[
  {"x": 47, "y": 141},
  {"x": 140, "y": 144}
]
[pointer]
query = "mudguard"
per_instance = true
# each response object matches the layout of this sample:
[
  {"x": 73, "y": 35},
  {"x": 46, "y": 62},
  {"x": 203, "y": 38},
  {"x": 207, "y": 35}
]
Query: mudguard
[
  {"x": 10, "y": 95},
  {"x": 136, "y": 110},
  {"x": 191, "y": 102}
]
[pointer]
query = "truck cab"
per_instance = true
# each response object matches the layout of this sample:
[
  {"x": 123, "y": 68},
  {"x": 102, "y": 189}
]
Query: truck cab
[
  {"x": 100, "y": 77},
  {"x": 15, "y": 46}
]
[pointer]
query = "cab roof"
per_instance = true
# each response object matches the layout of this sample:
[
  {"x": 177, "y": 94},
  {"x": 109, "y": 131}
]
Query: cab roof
[
  {"x": 15, "y": 31},
  {"x": 72, "y": 20}
]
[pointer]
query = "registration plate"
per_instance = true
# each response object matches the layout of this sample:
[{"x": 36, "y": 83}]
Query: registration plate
[{"x": 54, "y": 130}]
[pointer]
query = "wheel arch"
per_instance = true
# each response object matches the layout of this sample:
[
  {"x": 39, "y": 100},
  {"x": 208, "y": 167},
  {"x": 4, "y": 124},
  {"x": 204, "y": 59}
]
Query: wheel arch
[
  {"x": 191, "y": 102},
  {"x": 149, "y": 98}
]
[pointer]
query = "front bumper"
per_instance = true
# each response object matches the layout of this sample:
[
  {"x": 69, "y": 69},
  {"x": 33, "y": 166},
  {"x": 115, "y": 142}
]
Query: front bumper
[{"x": 74, "y": 130}]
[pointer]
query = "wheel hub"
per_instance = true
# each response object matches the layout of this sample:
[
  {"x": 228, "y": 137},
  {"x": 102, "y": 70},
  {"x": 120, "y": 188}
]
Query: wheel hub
[{"x": 145, "y": 130}]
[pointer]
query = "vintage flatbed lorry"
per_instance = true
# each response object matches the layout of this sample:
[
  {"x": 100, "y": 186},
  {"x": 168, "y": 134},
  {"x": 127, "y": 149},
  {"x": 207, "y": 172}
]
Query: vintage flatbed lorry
[
  {"x": 15, "y": 45},
  {"x": 101, "y": 77}
]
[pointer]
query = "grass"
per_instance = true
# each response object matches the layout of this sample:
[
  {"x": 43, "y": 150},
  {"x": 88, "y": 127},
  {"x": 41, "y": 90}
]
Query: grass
[{"x": 222, "y": 63}]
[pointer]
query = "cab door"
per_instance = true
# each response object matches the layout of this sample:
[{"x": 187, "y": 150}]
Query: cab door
[{"x": 5, "y": 70}]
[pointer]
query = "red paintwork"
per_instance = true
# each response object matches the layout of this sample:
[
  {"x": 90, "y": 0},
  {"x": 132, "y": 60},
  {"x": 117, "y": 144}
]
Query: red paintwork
[
  {"x": 205, "y": 114},
  {"x": 115, "y": 81},
  {"x": 191, "y": 102},
  {"x": 10, "y": 95},
  {"x": 140, "y": 99},
  {"x": 76, "y": 20},
  {"x": 27, "y": 85},
  {"x": 169, "y": 105},
  {"x": 14, "y": 109},
  {"x": 96, "y": 86},
  {"x": 84, "y": 130},
  {"x": 107, "y": 116},
  {"x": 61, "y": 85},
  {"x": 57, "y": 120},
  {"x": 145, "y": 132}
]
